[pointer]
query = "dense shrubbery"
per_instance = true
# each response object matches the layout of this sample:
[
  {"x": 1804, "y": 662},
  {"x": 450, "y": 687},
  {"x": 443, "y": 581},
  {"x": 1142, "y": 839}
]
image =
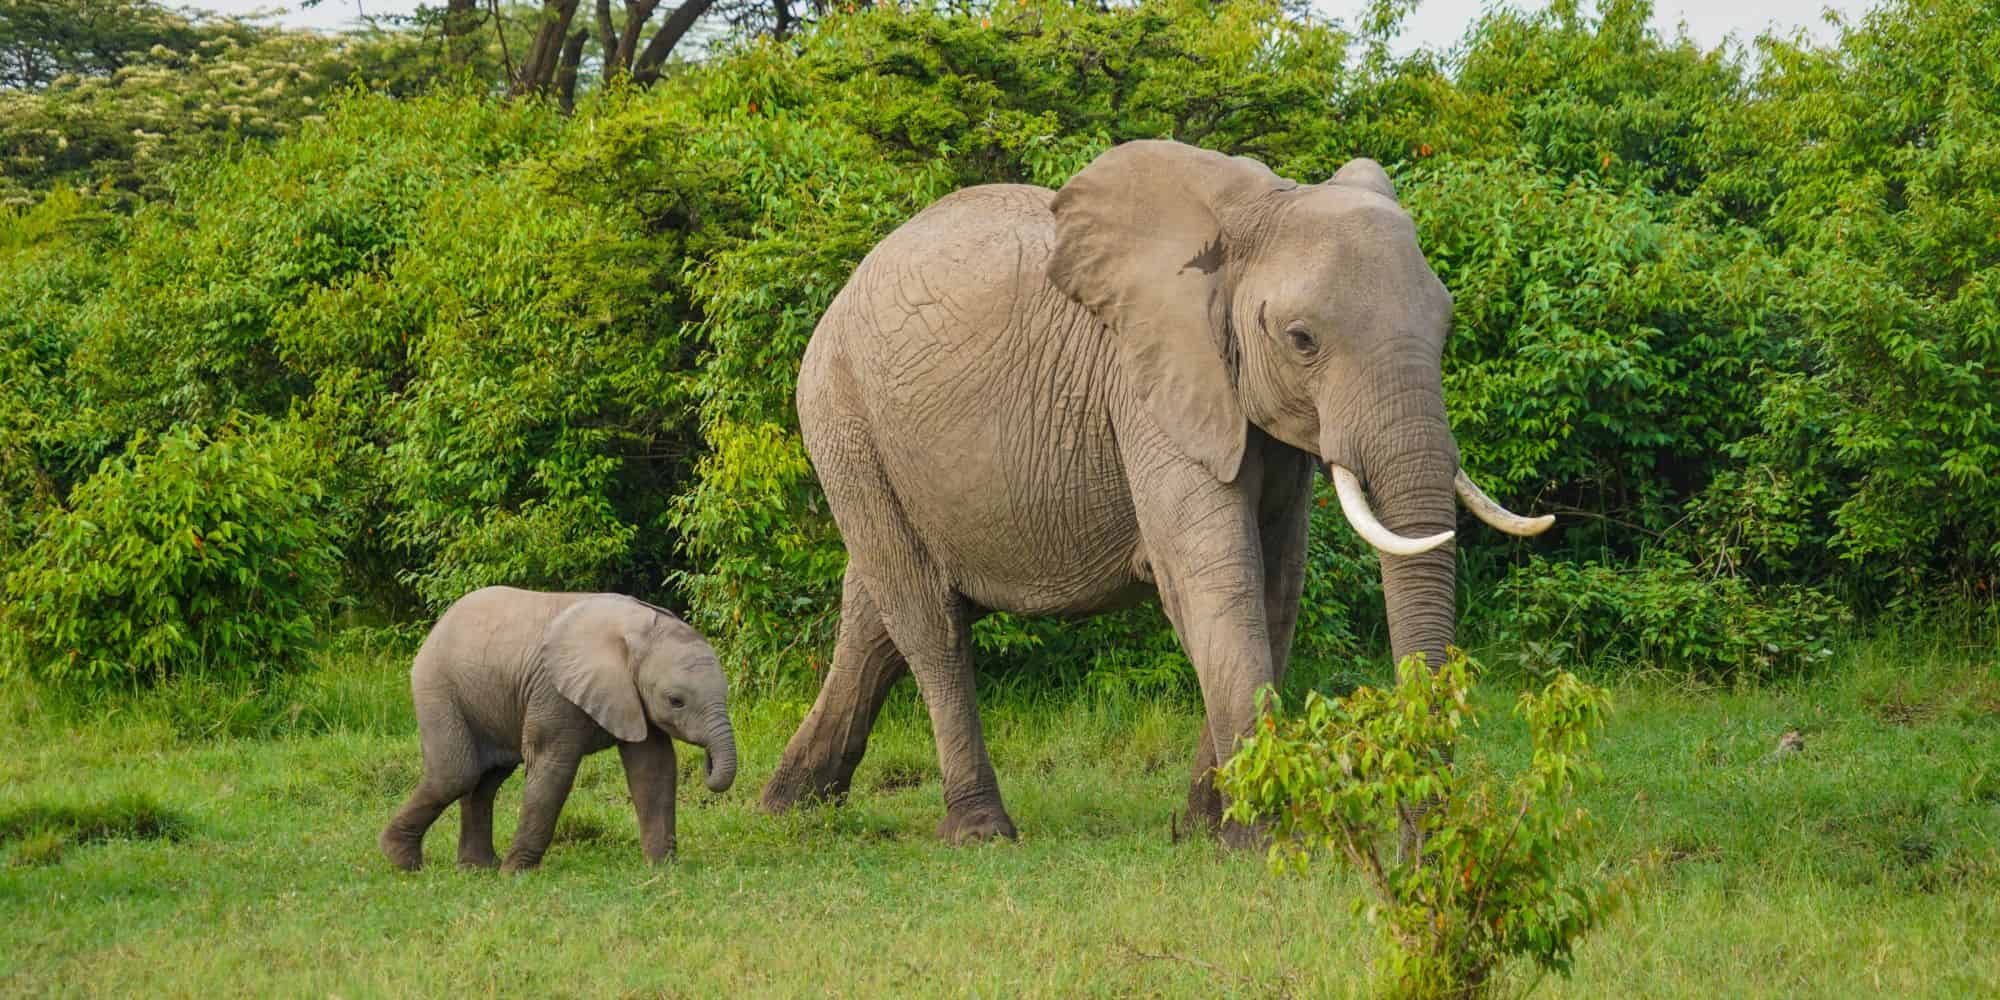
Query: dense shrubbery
[
  {"x": 182, "y": 554},
  {"x": 1663, "y": 610},
  {"x": 1738, "y": 322}
]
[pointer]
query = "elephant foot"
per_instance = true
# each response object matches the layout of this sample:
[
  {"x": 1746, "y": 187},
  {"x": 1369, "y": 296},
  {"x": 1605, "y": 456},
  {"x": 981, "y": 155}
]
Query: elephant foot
[
  {"x": 516, "y": 866},
  {"x": 1238, "y": 837},
  {"x": 401, "y": 851},
  {"x": 487, "y": 861},
  {"x": 977, "y": 823},
  {"x": 1205, "y": 814},
  {"x": 796, "y": 785},
  {"x": 1204, "y": 807}
]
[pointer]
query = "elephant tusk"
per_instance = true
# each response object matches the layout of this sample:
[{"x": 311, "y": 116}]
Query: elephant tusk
[
  {"x": 1484, "y": 508},
  {"x": 1354, "y": 504}
]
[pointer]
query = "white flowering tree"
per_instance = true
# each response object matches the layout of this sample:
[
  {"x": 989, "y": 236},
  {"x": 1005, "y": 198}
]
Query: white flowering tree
[{"x": 103, "y": 94}]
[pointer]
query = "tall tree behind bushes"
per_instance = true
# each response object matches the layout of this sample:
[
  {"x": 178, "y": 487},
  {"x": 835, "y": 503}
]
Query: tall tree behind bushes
[{"x": 1735, "y": 322}]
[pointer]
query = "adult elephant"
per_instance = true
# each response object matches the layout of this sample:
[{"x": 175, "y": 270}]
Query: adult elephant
[{"x": 1051, "y": 402}]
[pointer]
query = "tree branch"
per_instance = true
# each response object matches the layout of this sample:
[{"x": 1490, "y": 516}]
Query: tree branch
[
  {"x": 650, "y": 62},
  {"x": 500, "y": 28},
  {"x": 607, "y": 36},
  {"x": 572, "y": 53}
]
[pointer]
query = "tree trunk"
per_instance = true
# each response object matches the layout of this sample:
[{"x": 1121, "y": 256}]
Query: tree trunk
[
  {"x": 651, "y": 61},
  {"x": 572, "y": 53},
  {"x": 607, "y": 36},
  {"x": 637, "y": 13},
  {"x": 538, "y": 67}
]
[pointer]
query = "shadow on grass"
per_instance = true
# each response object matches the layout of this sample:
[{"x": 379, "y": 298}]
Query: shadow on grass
[{"x": 41, "y": 830}]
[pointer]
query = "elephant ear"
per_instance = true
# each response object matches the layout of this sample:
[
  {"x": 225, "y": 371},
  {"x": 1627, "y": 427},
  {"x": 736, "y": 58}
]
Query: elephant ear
[
  {"x": 1144, "y": 238},
  {"x": 590, "y": 652},
  {"x": 1363, "y": 172}
]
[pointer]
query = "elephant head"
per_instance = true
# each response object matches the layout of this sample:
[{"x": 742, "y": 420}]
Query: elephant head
[
  {"x": 1238, "y": 297},
  {"x": 626, "y": 663}
]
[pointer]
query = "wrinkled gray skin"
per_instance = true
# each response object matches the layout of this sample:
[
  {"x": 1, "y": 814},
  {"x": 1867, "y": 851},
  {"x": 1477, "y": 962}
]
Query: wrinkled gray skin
[
  {"x": 510, "y": 675},
  {"x": 1053, "y": 402}
]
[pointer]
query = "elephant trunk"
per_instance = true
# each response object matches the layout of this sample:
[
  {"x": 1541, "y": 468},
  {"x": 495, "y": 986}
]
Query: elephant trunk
[
  {"x": 719, "y": 761},
  {"x": 1411, "y": 463}
]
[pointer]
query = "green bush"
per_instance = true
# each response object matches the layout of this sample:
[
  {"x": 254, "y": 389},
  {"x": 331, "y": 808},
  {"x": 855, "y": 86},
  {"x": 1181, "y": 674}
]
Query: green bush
[
  {"x": 1496, "y": 869},
  {"x": 115, "y": 96},
  {"x": 1663, "y": 613},
  {"x": 1605, "y": 340},
  {"x": 1879, "y": 171},
  {"x": 188, "y": 554}
]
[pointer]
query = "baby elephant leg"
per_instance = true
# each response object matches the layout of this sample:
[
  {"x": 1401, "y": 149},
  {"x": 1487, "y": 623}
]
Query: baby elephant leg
[
  {"x": 451, "y": 771},
  {"x": 650, "y": 775},
  {"x": 550, "y": 775},
  {"x": 475, "y": 820}
]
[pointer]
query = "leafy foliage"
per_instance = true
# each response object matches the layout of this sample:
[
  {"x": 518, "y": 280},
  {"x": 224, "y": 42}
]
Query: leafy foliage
[
  {"x": 1879, "y": 182},
  {"x": 1496, "y": 873},
  {"x": 1664, "y": 612},
  {"x": 1733, "y": 319},
  {"x": 189, "y": 554}
]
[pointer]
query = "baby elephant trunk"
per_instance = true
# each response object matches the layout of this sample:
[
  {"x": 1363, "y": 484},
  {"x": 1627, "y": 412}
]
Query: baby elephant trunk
[{"x": 720, "y": 759}]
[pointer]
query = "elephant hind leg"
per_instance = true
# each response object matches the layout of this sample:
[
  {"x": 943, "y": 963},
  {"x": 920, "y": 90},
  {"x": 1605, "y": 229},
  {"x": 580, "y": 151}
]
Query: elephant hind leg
[
  {"x": 926, "y": 619},
  {"x": 475, "y": 819},
  {"x": 936, "y": 634},
  {"x": 451, "y": 771},
  {"x": 819, "y": 761}
]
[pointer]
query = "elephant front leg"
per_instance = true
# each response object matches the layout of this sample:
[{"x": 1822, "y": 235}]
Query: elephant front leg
[
  {"x": 650, "y": 775},
  {"x": 819, "y": 762},
  {"x": 551, "y": 773},
  {"x": 1282, "y": 527},
  {"x": 1204, "y": 548}
]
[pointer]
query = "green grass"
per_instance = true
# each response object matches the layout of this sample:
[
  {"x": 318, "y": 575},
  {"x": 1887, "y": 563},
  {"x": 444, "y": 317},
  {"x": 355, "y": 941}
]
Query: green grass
[{"x": 147, "y": 850}]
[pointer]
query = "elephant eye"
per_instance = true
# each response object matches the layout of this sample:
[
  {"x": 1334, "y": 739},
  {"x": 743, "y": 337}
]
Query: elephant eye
[
  {"x": 1302, "y": 341},
  {"x": 677, "y": 701}
]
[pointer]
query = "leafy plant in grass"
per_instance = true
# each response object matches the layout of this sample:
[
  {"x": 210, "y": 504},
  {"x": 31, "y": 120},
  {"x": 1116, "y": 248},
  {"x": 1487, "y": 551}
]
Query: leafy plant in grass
[
  {"x": 189, "y": 553},
  {"x": 1496, "y": 871}
]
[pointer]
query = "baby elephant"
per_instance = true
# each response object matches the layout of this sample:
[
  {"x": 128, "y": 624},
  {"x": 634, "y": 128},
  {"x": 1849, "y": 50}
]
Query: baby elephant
[{"x": 509, "y": 675}]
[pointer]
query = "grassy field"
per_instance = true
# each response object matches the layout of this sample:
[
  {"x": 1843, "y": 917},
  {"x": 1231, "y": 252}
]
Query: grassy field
[{"x": 176, "y": 847}]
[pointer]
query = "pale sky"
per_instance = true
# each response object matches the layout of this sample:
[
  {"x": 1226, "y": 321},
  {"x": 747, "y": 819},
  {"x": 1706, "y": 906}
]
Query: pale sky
[{"x": 1436, "y": 23}]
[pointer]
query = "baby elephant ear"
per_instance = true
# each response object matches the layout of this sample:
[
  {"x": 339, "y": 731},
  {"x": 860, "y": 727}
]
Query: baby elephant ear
[{"x": 590, "y": 651}]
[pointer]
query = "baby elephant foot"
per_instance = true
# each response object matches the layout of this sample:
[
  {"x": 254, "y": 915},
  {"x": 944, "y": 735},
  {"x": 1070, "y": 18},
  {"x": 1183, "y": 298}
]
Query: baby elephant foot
[
  {"x": 516, "y": 864},
  {"x": 401, "y": 851},
  {"x": 976, "y": 823},
  {"x": 487, "y": 860}
]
